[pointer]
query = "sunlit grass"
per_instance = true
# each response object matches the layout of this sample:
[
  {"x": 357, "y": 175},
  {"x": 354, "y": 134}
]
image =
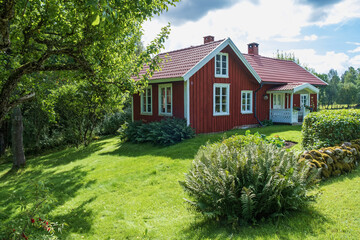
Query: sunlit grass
[{"x": 115, "y": 190}]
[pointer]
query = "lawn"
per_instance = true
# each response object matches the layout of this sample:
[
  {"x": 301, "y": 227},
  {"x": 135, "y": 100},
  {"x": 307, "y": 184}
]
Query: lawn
[{"x": 114, "y": 190}]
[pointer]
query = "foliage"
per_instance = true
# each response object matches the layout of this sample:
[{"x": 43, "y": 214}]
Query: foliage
[
  {"x": 266, "y": 123},
  {"x": 166, "y": 132},
  {"x": 32, "y": 222},
  {"x": 330, "y": 127},
  {"x": 334, "y": 161},
  {"x": 112, "y": 122},
  {"x": 97, "y": 41},
  {"x": 247, "y": 183}
]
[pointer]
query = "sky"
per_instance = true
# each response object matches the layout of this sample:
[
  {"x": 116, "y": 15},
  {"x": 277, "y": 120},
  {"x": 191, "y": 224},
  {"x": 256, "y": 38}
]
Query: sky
[{"x": 323, "y": 34}]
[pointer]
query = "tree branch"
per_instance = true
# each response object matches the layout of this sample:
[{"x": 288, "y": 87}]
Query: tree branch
[{"x": 21, "y": 100}]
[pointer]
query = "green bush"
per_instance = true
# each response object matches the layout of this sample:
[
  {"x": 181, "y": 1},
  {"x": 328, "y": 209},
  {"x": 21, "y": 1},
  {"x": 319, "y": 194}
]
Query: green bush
[
  {"x": 330, "y": 127},
  {"x": 247, "y": 182},
  {"x": 112, "y": 122},
  {"x": 166, "y": 132},
  {"x": 237, "y": 141}
]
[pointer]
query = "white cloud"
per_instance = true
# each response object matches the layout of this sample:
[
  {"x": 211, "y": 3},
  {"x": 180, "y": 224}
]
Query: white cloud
[
  {"x": 312, "y": 37},
  {"x": 341, "y": 12},
  {"x": 354, "y": 50},
  {"x": 322, "y": 63},
  {"x": 355, "y": 61}
]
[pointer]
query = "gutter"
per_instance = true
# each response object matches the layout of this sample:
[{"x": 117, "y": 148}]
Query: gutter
[{"x": 255, "y": 103}]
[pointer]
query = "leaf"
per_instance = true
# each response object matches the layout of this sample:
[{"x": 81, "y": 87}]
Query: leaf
[{"x": 97, "y": 21}]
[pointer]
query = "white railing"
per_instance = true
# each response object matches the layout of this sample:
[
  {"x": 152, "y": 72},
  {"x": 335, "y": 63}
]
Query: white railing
[{"x": 284, "y": 116}]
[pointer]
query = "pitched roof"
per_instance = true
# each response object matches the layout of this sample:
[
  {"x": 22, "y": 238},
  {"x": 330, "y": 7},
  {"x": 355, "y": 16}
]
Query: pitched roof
[
  {"x": 177, "y": 63},
  {"x": 281, "y": 71},
  {"x": 286, "y": 87},
  {"x": 294, "y": 87}
]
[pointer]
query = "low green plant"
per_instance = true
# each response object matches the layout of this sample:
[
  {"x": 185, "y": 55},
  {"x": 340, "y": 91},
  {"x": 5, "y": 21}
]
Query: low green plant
[
  {"x": 112, "y": 122},
  {"x": 32, "y": 222},
  {"x": 266, "y": 123},
  {"x": 247, "y": 182},
  {"x": 330, "y": 127},
  {"x": 166, "y": 132}
]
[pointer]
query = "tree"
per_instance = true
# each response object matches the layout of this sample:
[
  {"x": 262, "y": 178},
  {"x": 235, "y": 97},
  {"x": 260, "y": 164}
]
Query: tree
[
  {"x": 347, "y": 93},
  {"x": 95, "y": 38}
]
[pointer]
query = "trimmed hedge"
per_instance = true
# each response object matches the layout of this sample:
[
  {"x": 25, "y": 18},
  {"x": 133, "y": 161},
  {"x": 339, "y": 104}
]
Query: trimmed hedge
[
  {"x": 330, "y": 127},
  {"x": 334, "y": 161},
  {"x": 166, "y": 132},
  {"x": 244, "y": 179}
]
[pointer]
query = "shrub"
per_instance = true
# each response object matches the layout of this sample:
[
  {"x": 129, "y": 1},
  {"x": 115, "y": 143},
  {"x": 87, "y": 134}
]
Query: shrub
[
  {"x": 330, "y": 127},
  {"x": 247, "y": 183},
  {"x": 112, "y": 122},
  {"x": 166, "y": 132},
  {"x": 266, "y": 123},
  {"x": 334, "y": 161},
  {"x": 237, "y": 141}
]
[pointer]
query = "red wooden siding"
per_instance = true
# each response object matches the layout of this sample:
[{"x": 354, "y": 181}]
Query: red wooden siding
[
  {"x": 313, "y": 100},
  {"x": 177, "y": 98},
  {"x": 201, "y": 97}
]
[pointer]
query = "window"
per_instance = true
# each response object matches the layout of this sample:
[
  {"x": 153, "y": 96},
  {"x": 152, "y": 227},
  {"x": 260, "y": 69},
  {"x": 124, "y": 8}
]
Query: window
[
  {"x": 278, "y": 101},
  {"x": 246, "y": 101},
  {"x": 165, "y": 99},
  {"x": 221, "y": 65},
  {"x": 221, "y": 99},
  {"x": 146, "y": 101},
  {"x": 304, "y": 100}
]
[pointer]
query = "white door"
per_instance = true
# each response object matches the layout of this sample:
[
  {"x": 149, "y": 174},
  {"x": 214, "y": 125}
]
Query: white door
[
  {"x": 278, "y": 100},
  {"x": 304, "y": 100}
]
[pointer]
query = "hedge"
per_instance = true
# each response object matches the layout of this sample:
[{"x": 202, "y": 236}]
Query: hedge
[
  {"x": 333, "y": 161},
  {"x": 330, "y": 127}
]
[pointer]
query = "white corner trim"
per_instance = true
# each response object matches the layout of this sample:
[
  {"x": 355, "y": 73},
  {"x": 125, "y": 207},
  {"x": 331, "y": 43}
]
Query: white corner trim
[{"x": 188, "y": 101}]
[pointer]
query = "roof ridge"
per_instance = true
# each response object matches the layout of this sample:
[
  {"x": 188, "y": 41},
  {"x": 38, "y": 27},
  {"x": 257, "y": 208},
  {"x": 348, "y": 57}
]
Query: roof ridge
[
  {"x": 269, "y": 57},
  {"x": 192, "y": 47}
]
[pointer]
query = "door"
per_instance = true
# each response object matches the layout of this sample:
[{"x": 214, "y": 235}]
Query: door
[
  {"x": 278, "y": 100},
  {"x": 304, "y": 100}
]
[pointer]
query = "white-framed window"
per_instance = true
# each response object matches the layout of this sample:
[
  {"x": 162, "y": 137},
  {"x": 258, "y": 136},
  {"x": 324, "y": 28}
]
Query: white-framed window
[
  {"x": 304, "y": 100},
  {"x": 165, "y": 99},
  {"x": 246, "y": 102},
  {"x": 278, "y": 100},
  {"x": 146, "y": 101},
  {"x": 222, "y": 65},
  {"x": 221, "y": 99}
]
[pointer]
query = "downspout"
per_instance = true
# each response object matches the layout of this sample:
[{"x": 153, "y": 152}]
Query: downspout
[{"x": 255, "y": 114}]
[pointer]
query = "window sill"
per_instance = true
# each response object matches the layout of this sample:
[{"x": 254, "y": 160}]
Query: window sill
[
  {"x": 165, "y": 114},
  {"x": 146, "y": 114},
  {"x": 220, "y": 114},
  {"x": 221, "y": 76},
  {"x": 246, "y": 112}
]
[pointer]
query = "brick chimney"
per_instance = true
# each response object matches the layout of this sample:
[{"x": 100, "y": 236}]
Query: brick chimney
[
  {"x": 253, "y": 48},
  {"x": 208, "y": 39}
]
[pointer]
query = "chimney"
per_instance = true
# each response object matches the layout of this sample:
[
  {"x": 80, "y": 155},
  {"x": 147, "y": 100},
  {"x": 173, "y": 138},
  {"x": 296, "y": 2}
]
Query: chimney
[
  {"x": 253, "y": 48},
  {"x": 208, "y": 39}
]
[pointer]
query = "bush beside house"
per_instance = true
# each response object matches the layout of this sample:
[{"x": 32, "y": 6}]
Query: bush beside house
[{"x": 331, "y": 127}]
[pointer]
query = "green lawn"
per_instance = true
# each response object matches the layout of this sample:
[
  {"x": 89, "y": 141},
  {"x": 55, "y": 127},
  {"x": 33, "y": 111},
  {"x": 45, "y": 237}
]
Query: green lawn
[{"x": 114, "y": 190}]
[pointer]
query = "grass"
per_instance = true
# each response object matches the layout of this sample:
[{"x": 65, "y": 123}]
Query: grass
[{"x": 114, "y": 190}]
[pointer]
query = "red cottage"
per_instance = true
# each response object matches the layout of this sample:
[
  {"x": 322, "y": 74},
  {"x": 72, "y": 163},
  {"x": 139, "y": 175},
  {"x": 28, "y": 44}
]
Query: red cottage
[{"x": 216, "y": 88}]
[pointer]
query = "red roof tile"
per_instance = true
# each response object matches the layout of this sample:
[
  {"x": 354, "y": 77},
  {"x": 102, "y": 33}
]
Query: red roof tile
[
  {"x": 286, "y": 87},
  {"x": 177, "y": 63},
  {"x": 281, "y": 71}
]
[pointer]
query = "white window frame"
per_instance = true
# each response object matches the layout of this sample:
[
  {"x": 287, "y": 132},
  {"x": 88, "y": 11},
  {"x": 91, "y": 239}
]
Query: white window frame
[
  {"x": 160, "y": 86},
  {"x": 246, "y": 103},
  {"x": 221, "y": 85},
  {"x": 227, "y": 66},
  {"x": 307, "y": 99},
  {"x": 282, "y": 95},
  {"x": 145, "y": 111}
]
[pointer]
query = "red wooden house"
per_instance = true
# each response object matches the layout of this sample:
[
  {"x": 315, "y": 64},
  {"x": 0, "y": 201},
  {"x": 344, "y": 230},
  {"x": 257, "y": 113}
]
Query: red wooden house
[{"x": 216, "y": 88}]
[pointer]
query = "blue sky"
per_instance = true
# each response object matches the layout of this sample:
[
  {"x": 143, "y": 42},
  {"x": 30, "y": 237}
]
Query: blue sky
[{"x": 322, "y": 34}]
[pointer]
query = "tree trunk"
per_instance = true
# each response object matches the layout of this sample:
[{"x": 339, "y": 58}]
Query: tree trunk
[
  {"x": 17, "y": 138},
  {"x": 2, "y": 143}
]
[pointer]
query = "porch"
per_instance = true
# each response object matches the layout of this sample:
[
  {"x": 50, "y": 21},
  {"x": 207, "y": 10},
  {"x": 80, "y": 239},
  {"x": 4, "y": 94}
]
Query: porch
[{"x": 282, "y": 106}]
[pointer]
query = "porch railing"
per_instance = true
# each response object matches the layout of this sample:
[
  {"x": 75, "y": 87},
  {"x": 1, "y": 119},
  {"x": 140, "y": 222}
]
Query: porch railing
[{"x": 284, "y": 116}]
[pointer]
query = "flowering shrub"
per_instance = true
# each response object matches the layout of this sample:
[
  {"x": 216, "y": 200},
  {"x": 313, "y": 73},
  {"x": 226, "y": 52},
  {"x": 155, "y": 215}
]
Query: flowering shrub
[{"x": 330, "y": 127}]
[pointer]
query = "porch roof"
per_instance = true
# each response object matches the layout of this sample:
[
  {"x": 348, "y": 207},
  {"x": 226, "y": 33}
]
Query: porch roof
[{"x": 294, "y": 88}]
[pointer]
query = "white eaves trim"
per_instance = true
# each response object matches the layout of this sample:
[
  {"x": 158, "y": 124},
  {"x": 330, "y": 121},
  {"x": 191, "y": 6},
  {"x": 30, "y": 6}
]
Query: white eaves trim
[
  {"x": 213, "y": 53},
  {"x": 306, "y": 86}
]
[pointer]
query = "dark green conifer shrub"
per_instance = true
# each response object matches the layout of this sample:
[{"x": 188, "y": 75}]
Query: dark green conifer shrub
[
  {"x": 166, "y": 132},
  {"x": 248, "y": 182}
]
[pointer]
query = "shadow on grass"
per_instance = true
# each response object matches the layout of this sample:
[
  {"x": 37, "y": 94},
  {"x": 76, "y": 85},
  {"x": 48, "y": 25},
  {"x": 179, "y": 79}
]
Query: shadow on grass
[
  {"x": 348, "y": 176},
  {"x": 63, "y": 185},
  {"x": 188, "y": 148},
  {"x": 294, "y": 225}
]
